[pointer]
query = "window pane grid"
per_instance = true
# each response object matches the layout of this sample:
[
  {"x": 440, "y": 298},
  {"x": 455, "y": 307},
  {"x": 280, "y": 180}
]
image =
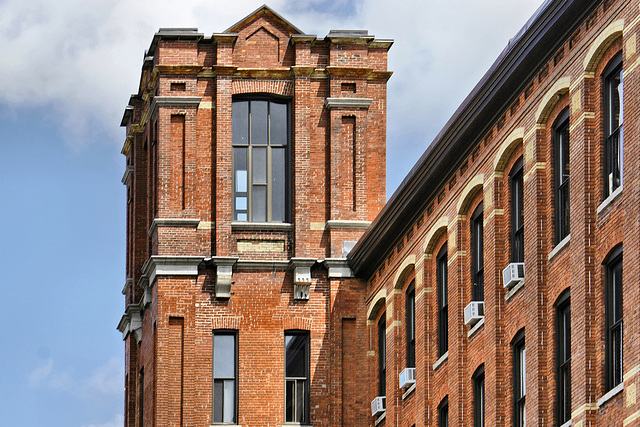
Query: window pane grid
[
  {"x": 225, "y": 378},
  {"x": 561, "y": 178},
  {"x": 261, "y": 129},
  {"x": 296, "y": 377},
  {"x": 613, "y": 88}
]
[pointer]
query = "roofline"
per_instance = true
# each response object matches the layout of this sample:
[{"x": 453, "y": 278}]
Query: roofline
[
  {"x": 532, "y": 46},
  {"x": 232, "y": 28}
]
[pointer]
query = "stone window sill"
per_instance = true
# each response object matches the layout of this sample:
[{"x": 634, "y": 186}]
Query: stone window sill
[
  {"x": 440, "y": 361},
  {"x": 511, "y": 292},
  {"x": 476, "y": 328},
  {"x": 609, "y": 200},
  {"x": 610, "y": 394},
  {"x": 559, "y": 247},
  {"x": 261, "y": 226},
  {"x": 409, "y": 391}
]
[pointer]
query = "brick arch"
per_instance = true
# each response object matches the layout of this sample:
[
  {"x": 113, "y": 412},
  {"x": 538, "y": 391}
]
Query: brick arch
[
  {"x": 377, "y": 303},
  {"x": 551, "y": 98},
  {"x": 226, "y": 322},
  {"x": 469, "y": 192},
  {"x": 405, "y": 268},
  {"x": 275, "y": 87},
  {"x": 434, "y": 234},
  {"x": 601, "y": 44},
  {"x": 297, "y": 322},
  {"x": 507, "y": 148}
]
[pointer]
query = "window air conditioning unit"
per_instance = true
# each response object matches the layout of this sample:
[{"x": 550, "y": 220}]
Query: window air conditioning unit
[
  {"x": 407, "y": 377},
  {"x": 513, "y": 274},
  {"x": 474, "y": 312},
  {"x": 378, "y": 405}
]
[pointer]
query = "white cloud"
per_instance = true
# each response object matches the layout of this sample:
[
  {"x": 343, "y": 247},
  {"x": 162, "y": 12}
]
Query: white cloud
[
  {"x": 44, "y": 376},
  {"x": 82, "y": 59},
  {"x": 105, "y": 380}
]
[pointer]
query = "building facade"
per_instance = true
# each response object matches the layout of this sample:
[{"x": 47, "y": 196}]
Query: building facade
[
  {"x": 255, "y": 160},
  {"x": 497, "y": 286}
]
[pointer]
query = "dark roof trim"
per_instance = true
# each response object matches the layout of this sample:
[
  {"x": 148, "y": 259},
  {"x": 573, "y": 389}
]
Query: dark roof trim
[{"x": 533, "y": 46}]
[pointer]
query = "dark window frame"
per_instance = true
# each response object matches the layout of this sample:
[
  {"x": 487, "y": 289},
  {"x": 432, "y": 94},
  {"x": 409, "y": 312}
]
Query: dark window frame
[
  {"x": 443, "y": 413},
  {"x": 248, "y": 190},
  {"x": 382, "y": 355},
  {"x": 295, "y": 416},
  {"x": 234, "y": 378},
  {"x": 517, "y": 212},
  {"x": 563, "y": 358},
  {"x": 613, "y": 126},
  {"x": 410, "y": 314},
  {"x": 519, "y": 379},
  {"x": 561, "y": 176},
  {"x": 443, "y": 300},
  {"x": 478, "y": 397},
  {"x": 477, "y": 253},
  {"x": 614, "y": 319}
]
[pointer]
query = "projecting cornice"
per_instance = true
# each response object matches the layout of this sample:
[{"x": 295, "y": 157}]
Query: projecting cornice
[{"x": 158, "y": 265}]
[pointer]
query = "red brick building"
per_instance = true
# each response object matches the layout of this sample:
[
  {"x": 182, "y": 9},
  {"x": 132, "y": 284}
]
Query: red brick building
[
  {"x": 255, "y": 160},
  {"x": 497, "y": 286}
]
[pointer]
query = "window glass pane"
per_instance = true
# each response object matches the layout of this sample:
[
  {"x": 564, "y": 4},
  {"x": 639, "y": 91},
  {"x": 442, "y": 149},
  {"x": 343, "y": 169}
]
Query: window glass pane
[
  {"x": 278, "y": 123},
  {"x": 218, "y": 400},
  {"x": 278, "y": 188},
  {"x": 259, "y": 203},
  {"x": 258, "y": 122},
  {"x": 240, "y": 122},
  {"x": 240, "y": 167},
  {"x": 299, "y": 401},
  {"x": 241, "y": 217},
  {"x": 229, "y": 401},
  {"x": 259, "y": 165},
  {"x": 224, "y": 356},
  {"x": 241, "y": 203},
  {"x": 296, "y": 357},
  {"x": 289, "y": 400}
]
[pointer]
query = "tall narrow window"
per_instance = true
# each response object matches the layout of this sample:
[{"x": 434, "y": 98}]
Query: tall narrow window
[
  {"x": 382, "y": 356},
  {"x": 561, "y": 175},
  {"x": 563, "y": 359},
  {"x": 477, "y": 255},
  {"x": 517, "y": 213},
  {"x": 443, "y": 413},
  {"x": 225, "y": 377},
  {"x": 478, "y": 397},
  {"x": 410, "y": 311},
  {"x": 260, "y": 135},
  {"x": 613, "y": 125},
  {"x": 141, "y": 399},
  {"x": 519, "y": 381},
  {"x": 443, "y": 301},
  {"x": 297, "y": 377},
  {"x": 613, "y": 320}
]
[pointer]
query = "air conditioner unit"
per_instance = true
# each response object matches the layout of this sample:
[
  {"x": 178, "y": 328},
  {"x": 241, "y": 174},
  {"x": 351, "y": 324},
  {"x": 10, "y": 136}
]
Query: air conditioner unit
[
  {"x": 407, "y": 377},
  {"x": 378, "y": 405},
  {"x": 513, "y": 274},
  {"x": 474, "y": 312}
]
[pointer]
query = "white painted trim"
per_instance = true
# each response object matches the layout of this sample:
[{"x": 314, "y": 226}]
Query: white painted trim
[
  {"x": 440, "y": 361},
  {"x": 476, "y": 327},
  {"x": 610, "y": 394},
  {"x": 564, "y": 242},
  {"x": 606, "y": 202}
]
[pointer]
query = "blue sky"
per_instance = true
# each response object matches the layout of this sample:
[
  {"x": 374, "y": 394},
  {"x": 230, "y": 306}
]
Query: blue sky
[{"x": 68, "y": 68}]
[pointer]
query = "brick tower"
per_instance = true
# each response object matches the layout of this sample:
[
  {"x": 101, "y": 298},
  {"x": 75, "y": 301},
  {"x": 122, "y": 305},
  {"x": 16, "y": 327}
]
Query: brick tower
[{"x": 255, "y": 159}]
